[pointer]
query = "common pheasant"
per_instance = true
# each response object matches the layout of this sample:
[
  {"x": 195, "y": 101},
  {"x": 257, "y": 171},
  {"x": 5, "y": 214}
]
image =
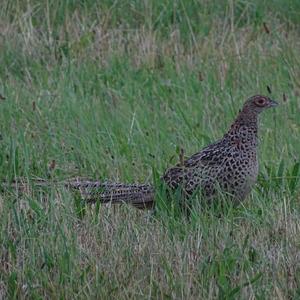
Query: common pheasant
[{"x": 229, "y": 165}]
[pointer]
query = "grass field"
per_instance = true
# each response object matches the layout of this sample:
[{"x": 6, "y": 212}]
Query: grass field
[{"x": 112, "y": 90}]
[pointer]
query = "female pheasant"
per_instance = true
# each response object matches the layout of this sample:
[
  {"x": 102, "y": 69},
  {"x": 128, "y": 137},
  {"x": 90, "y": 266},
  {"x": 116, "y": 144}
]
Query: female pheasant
[{"x": 229, "y": 165}]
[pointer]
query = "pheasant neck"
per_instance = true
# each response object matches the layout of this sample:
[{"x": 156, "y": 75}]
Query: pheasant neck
[
  {"x": 244, "y": 129},
  {"x": 247, "y": 118}
]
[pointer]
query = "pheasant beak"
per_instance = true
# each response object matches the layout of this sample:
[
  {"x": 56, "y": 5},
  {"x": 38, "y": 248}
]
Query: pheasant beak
[{"x": 272, "y": 103}]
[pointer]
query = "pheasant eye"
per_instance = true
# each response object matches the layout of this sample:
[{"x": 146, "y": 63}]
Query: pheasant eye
[{"x": 260, "y": 102}]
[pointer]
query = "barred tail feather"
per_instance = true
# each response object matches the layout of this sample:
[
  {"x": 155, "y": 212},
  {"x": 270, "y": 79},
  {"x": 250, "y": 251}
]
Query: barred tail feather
[{"x": 139, "y": 195}]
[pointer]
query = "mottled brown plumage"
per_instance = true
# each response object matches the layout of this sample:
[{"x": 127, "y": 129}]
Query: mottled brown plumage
[{"x": 229, "y": 165}]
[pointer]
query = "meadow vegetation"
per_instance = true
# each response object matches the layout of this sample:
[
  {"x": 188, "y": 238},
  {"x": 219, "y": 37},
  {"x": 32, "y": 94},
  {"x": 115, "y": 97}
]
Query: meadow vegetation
[{"x": 113, "y": 90}]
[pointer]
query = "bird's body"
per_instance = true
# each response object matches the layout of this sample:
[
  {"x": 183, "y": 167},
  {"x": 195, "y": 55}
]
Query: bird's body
[{"x": 229, "y": 165}]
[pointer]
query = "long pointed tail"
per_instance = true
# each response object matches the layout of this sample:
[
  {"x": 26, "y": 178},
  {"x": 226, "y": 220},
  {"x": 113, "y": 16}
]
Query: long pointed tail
[{"x": 139, "y": 195}]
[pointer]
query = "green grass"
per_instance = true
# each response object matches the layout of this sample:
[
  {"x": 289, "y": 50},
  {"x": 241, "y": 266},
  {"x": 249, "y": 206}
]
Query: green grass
[{"x": 113, "y": 90}]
